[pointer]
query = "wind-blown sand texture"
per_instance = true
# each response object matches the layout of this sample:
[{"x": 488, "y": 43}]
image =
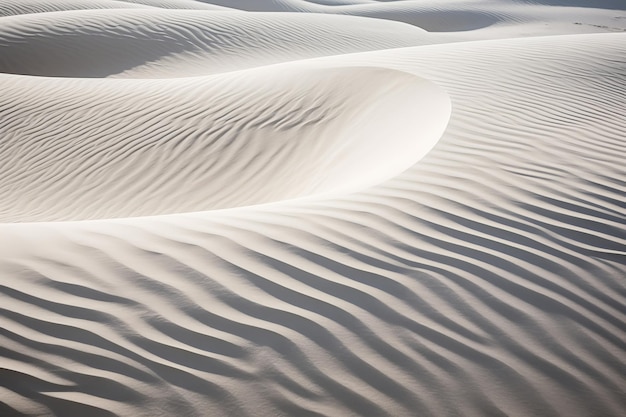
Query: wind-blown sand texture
[{"x": 312, "y": 208}]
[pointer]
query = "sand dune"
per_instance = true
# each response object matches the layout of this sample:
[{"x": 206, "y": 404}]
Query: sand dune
[
  {"x": 17, "y": 7},
  {"x": 20, "y": 7},
  {"x": 303, "y": 214},
  {"x": 225, "y": 141},
  {"x": 502, "y": 18},
  {"x": 165, "y": 43}
]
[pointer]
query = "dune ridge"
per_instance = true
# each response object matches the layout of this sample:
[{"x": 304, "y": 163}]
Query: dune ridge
[
  {"x": 158, "y": 43},
  {"x": 479, "y": 271},
  {"x": 291, "y": 139}
]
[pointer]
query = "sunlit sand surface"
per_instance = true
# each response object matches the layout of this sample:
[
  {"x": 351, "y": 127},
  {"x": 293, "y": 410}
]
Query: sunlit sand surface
[{"x": 313, "y": 208}]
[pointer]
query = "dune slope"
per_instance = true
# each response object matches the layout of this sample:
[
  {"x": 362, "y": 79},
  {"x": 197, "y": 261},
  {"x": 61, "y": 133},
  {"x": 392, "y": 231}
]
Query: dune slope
[
  {"x": 209, "y": 143},
  {"x": 181, "y": 43}
]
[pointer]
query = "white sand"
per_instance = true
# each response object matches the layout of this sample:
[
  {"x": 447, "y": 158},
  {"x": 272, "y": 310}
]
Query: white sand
[{"x": 304, "y": 213}]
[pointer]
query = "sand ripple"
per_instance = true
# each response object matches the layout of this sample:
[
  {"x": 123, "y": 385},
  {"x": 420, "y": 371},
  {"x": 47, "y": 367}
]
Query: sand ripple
[{"x": 395, "y": 269}]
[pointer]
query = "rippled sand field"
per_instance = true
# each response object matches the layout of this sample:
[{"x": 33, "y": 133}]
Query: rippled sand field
[{"x": 313, "y": 208}]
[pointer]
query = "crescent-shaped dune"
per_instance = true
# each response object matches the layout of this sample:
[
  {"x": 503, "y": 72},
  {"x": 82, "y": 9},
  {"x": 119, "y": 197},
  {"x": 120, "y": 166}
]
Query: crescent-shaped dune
[
  {"x": 170, "y": 44},
  {"x": 202, "y": 144},
  {"x": 23, "y": 7},
  {"x": 20, "y": 7},
  {"x": 293, "y": 213}
]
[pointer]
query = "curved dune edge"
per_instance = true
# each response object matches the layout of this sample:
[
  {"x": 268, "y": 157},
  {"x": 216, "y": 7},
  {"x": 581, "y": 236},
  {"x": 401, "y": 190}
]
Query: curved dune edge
[
  {"x": 21, "y": 7},
  {"x": 157, "y": 43},
  {"x": 209, "y": 143}
]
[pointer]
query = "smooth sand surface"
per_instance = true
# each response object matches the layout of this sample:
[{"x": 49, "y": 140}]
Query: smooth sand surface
[{"x": 312, "y": 208}]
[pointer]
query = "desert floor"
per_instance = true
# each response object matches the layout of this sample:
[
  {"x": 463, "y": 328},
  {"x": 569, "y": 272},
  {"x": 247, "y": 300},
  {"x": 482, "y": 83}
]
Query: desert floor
[{"x": 313, "y": 208}]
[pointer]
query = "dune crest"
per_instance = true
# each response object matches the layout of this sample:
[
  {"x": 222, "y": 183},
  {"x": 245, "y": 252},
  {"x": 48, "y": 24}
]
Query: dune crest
[
  {"x": 156, "y": 43},
  {"x": 227, "y": 141}
]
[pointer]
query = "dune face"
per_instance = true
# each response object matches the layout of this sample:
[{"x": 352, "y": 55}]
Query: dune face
[
  {"x": 202, "y": 144},
  {"x": 22, "y": 7},
  {"x": 182, "y": 43},
  {"x": 272, "y": 208}
]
